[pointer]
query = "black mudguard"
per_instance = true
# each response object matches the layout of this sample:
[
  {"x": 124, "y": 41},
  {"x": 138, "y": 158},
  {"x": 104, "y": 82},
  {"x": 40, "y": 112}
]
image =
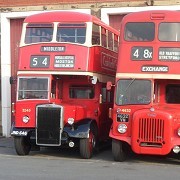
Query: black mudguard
[{"x": 79, "y": 129}]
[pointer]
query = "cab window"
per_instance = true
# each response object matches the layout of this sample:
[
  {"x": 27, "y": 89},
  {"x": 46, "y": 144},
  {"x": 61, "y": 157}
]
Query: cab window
[{"x": 81, "y": 92}]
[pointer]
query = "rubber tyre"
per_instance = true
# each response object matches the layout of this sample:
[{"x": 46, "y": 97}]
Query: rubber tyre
[
  {"x": 118, "y": 151},
  {"x": 88, "y": 145},
  {"x": 22, "y": 145}
]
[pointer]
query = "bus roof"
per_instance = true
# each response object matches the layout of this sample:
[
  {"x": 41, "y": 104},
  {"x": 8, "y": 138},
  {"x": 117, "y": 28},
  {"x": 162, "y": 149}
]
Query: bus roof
[
  {"x": 56, "y": 16},
  {"x": 169, "y": 15},
  {"x": 65, "y": 16}
]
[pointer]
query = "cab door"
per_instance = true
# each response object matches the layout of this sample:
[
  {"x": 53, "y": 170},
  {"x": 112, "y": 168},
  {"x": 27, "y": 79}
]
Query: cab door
[{"x": 106, "y": 102}]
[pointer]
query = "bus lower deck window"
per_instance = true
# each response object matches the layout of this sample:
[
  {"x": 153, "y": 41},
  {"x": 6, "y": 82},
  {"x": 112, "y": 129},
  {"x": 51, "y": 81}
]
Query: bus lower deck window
[{"x": 173, "y": 94}]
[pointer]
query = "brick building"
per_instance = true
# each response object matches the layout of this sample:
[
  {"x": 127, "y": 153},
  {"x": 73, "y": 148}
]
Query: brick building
[{"x": 12, "y": 16}]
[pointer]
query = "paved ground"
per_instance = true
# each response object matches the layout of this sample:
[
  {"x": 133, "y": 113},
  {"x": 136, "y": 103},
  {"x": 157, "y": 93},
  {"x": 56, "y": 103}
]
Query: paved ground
[
  {"x": 6, "y": 142},
  {"x": 66, "y": 164},
  {"x": 7, "y": 147}
]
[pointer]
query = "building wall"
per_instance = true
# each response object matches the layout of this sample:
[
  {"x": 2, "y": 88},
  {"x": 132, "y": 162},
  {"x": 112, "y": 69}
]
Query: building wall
[
  {"x": 11, "y": 3},
  {"x": 94, "y": 5},
  {"x": 16, "y": 3},
  {"x": 0, "y": 86}
]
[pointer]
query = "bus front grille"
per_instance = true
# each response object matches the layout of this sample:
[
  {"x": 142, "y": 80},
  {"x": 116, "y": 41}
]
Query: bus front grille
[
  {"x": 151, "y": 132},
  {"x": 48, "y": 125}
]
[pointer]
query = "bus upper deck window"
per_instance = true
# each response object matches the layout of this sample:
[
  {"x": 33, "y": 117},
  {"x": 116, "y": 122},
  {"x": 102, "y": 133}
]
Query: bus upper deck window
[
  {"x": 75, "y": 33},
  {"x": 110, "y": 40},
  {"x": 169, "y": 32},
  {"x": 139, "y": 31},
  {"x": 38, "y": 33},
  {"x": 116, "y": 42},
  {"x": 103, "y": 37},
  {"x": 95, "y": 35}
]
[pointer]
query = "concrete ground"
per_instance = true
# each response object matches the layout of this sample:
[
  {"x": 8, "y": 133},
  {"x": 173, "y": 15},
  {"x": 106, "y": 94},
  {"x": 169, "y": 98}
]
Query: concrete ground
[{"x": 6, "y": 142}]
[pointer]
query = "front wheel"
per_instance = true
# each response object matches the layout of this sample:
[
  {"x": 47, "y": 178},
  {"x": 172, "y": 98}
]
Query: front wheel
[
  {"x": 22, "y": 145},
  {"x": 118, "y": 151},
  {"x": 87, "y": 146}
]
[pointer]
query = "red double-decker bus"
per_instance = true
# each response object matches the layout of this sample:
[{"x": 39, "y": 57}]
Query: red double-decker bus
[
  {"x": 66, "y": 59},
  {"x": 146, "y": 113}
]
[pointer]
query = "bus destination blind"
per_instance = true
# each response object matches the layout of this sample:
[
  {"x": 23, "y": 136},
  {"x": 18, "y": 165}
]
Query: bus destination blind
[{"x": 169, "y": 54}]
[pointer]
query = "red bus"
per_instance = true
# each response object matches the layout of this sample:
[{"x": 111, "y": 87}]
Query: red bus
[
  {"x": 66, "y": 59},
  {"x": 146, "y": 112}
]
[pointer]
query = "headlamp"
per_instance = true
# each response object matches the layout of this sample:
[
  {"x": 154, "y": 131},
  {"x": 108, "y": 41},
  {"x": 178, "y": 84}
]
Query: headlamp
[
  {"x": 25, "y": 119},
  {"x": 178, "y": 132},
  {"x": 122, "y": 128},
  {"x": 70, "y": 121}
]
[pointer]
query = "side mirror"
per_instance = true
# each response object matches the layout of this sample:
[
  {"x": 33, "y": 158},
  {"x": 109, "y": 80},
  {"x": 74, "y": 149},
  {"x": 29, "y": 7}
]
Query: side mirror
[
  {"x": 110, "y": 113},
  {"x": 12, "y": 80},
  {"x": 94, "y": 80},
  {"x": 100, "y": 99},
  {"x": 109, "y": 85}
]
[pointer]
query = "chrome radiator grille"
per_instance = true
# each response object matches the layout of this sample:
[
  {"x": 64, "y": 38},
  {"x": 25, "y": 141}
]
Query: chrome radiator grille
[
  {"x": 48, "y": 125},
  {"x": 151, "y": 132}
]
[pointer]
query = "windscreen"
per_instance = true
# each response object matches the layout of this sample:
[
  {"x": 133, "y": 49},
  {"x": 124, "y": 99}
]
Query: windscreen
[
  {"x": 32, "y": 88},
  {"x": 131, "y": 91}
]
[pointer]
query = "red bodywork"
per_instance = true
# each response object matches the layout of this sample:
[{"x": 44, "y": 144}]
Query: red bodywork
[
  {"x": 152, "y": 128},
  {"x": 88, "y": 61}
]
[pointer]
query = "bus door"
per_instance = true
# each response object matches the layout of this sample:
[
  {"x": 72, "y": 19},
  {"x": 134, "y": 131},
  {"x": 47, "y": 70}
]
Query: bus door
[
  {"x": 106, "y": 103},
  {"x": 56, "y": 88}
]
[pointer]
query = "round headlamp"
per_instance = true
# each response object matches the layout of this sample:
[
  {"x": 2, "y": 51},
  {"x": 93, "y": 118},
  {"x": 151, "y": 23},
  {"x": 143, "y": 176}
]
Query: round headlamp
[
  {"x": 25, "y": 119},
  {"x": 176, "y": 149},
  {"x": 122, "y": 128},
  {"x": 178, "y": 132},
  {"x": 70, "y": 121}
]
